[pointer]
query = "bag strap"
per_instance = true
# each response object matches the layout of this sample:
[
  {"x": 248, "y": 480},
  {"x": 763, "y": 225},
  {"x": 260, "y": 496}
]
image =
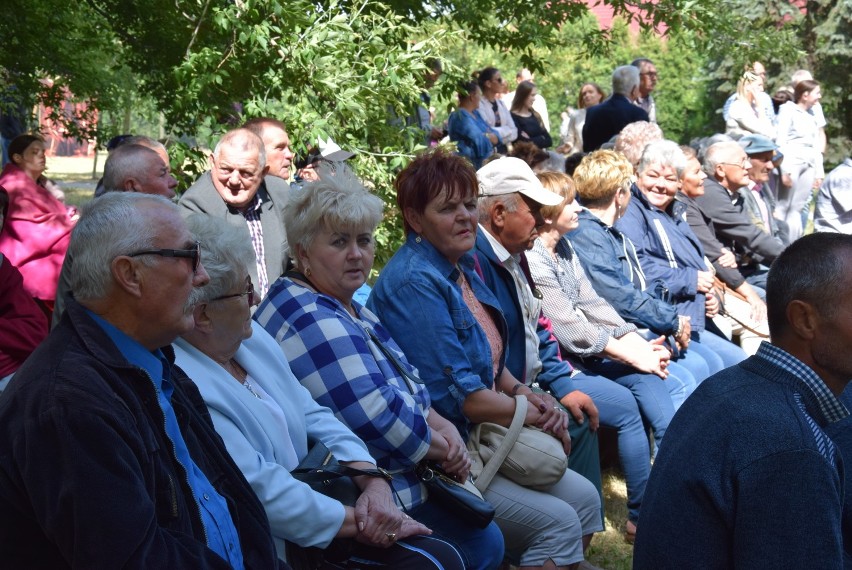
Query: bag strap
[
  {"x": 326, "y": 472},
  {"x": 394, "y": 360},
  {"x": 509, "y": 440}
]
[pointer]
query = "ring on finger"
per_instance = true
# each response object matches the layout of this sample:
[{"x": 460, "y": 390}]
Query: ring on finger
[{"x": 391, "y": 536}]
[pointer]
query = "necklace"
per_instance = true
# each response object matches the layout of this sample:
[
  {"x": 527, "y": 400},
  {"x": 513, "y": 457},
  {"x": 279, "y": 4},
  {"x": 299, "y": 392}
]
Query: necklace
[
  {"x": 250, "y": 388},
  {"x": 241, "y": 375}
]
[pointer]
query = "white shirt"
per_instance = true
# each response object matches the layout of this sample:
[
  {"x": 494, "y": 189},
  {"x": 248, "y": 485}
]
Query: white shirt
[{"x": 530, "y": 306}]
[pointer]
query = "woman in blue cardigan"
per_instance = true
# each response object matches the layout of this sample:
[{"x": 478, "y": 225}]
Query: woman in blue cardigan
[{"x": 474, "y": 138}]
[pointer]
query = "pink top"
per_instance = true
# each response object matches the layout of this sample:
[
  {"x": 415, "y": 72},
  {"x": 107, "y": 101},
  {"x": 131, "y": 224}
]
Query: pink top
[{"x": 36, "y": 232}]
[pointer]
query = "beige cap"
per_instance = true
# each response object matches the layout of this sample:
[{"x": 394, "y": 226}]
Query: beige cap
[{"x": 508, "y": 175}]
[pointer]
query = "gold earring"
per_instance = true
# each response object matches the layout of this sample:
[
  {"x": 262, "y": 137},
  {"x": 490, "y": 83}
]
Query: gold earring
[{"x": 308, "y": 272}]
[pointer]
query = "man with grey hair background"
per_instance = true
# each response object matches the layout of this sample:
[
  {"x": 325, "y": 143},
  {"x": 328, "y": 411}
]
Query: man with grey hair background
[
  {"x": 605, "y": 120},
  {"x": 131, "y": 167},
  {"x": 137, "y": 140},
  {"x": 110, "y": 458},
  {"x": 727, "y": 166},
  {"x": 238, "y": 190}
]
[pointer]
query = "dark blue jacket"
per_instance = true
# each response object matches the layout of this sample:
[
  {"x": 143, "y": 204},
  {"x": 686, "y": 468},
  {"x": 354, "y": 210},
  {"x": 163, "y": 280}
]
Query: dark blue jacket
[
  {"x": 668, "y": 251},
  {"x": 604, "y": 253},
  {"x": 555, "y": 375},
  {"x": 762, "y": 488},
  {"x": 605, "y": 120},
  {"x": 88, "y": 476}
]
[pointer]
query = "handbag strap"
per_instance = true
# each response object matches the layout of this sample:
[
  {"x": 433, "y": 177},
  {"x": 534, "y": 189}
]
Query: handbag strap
[
  {"x": 509, "y": 440},
  {"x": 326, "y": 472},
  {"x": 394, "y": 360}
]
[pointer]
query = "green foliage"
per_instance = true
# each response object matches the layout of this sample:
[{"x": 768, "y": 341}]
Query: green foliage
[{"x": 352, "y": 69}]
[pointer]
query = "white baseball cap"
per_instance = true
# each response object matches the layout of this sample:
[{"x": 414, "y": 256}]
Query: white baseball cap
[{"x": 509, "y": 175}]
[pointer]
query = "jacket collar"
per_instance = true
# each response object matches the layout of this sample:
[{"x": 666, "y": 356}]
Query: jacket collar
[{"x": 97, "y": 341}]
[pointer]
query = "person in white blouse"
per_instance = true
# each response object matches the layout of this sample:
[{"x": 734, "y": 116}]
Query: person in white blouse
[
  {"x": 492, "y": 109},
  {"x": 800, "y": 142},
  {"x": 266, "y": 419}
]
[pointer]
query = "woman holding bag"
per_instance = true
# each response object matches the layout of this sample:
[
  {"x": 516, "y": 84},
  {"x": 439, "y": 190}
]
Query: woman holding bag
[
  {"x": 334, "y": 347},
  {"x": 449, "y": 325}
]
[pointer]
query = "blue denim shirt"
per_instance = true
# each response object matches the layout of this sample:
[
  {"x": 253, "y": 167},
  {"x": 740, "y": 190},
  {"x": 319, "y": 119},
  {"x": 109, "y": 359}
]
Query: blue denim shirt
[{"x": 419, "y": 301}]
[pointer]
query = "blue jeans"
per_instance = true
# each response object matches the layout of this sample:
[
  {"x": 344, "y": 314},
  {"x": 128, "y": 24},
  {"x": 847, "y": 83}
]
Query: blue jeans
[
  {"x": 481, "y": 549},
  {"x": 618, "y": 409},
  {"x": 693, "y": 362},
  {"x": 716, "y": 351}
]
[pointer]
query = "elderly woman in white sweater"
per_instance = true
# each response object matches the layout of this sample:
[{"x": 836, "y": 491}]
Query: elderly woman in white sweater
[{"x": 266, "y": 419}]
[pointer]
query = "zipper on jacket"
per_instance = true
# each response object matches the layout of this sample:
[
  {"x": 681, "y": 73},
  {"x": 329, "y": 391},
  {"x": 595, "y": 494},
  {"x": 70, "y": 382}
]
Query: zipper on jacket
[{"x": 177, "y": 462}]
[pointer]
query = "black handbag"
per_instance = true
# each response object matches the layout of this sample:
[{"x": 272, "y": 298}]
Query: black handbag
[
  {"x": 464, "y": 502},
  {"x": 321, "y": 471}
]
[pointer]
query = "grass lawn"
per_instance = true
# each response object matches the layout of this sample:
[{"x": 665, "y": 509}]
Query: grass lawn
[
  {"x": 608, "y": 549},
  {"x": 74, "y": 175}
]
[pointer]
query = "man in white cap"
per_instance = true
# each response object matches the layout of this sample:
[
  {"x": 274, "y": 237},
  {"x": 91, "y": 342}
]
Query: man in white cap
[{"x": 510, "y": 201}]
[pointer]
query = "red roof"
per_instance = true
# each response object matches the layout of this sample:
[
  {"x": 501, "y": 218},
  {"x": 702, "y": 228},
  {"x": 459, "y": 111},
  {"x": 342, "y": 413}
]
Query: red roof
[{"x": 605, "y": 14}]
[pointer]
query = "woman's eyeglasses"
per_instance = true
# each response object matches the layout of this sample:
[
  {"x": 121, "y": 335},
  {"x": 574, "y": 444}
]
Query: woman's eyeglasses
[
  {"x": 194, "y": 254},
  {"x": 249, "y": 291}
]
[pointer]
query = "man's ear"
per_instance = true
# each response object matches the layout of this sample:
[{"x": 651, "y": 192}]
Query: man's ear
[
  {"x": 265, "y": 171},
  {"x": 497, "y": 214},
  {"x": 803, "y": 319},
  {"x": 127, "y": 277},
  {"x": 130, "y": 185}
]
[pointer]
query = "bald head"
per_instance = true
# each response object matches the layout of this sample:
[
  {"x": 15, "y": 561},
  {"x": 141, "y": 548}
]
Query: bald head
[
  {"x": 242, "y": 141},
  {"x": 137, "y": 168}
]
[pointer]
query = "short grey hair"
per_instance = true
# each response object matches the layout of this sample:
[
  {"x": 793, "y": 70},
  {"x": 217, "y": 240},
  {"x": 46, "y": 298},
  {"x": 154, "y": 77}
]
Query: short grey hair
[
  {"x": 719, "y": 153},
  {"x": 485, "y": 203},
  {"x": 148, "y": 142},
  {"x": 109, "y": 227},
  {"x": 625, "y": 79},
  {"x": 226, "y": 253},
  {"x": 633, "y": 139},
  {"x": 336, "y": 202},
  {"x": 665, "y": 153},
  {"x": 243, "y": 140},
  {"x": 126, "y": 161}
]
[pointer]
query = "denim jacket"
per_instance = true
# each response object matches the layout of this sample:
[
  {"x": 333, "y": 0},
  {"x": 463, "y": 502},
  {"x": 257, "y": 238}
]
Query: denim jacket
[
  {"x": 606, "y": 256},
  {"x": 419, "y": 301}
]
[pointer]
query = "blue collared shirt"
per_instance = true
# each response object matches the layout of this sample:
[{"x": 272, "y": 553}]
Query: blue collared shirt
[
  {"x": 219, "y": 528},
  {"x": 832, "y": 409}
]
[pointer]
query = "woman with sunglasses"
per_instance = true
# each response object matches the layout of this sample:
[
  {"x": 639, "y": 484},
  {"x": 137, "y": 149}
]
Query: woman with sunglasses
[{"x": 267, "y": 419}]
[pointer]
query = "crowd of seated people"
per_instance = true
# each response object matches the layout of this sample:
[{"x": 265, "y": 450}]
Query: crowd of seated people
[{"x": 229, "y": 333}]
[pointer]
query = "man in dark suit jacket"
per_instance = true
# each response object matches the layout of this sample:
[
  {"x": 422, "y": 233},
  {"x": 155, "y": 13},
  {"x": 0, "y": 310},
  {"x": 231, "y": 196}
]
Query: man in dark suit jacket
[
  {"x": 239, "y": 190},
  {"x": 606, "y": 120}
]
